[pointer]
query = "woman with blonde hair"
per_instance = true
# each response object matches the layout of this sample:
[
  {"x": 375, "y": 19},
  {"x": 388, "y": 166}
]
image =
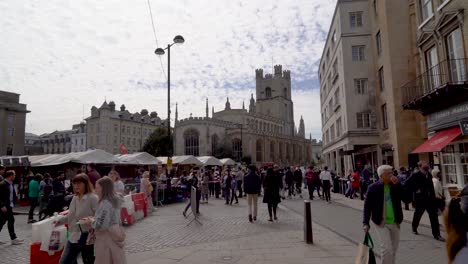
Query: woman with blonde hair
[
  {"x": 119, "y": 186},
  {"x": 456, "y": 225},
  {"x": 110, "y": 236},
  {"x": 147, "y": 189}
]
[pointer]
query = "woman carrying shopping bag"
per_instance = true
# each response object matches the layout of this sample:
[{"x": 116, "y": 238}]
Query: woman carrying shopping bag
[{"x": 84, "y": 204}]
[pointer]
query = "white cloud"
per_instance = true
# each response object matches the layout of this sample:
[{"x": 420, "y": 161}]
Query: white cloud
[{"x": 62, "y": 56}]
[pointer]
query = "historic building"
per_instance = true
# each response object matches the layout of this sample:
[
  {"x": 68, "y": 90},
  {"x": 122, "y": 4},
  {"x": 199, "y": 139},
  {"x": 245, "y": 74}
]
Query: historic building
[
  {"x": 57, "y": 142},
  {"x": 12, "y": 124},
  {"x": 32, "y": 144},
  {"x": 78, "y": 138},
  {"x": 440, "y": 90},
  {"x": 109, "y": 129},
  {"x": 265, "y": 132}
]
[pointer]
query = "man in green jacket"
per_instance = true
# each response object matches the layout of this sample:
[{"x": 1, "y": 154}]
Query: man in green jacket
[{"x": 34, "y": 191}]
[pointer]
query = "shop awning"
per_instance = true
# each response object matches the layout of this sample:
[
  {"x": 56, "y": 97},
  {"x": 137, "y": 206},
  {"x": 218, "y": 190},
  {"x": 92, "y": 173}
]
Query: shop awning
[{"x": 441, "y": 139}]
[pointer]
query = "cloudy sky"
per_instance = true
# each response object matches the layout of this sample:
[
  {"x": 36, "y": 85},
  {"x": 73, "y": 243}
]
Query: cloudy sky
[{"x": 65, "y": 56}]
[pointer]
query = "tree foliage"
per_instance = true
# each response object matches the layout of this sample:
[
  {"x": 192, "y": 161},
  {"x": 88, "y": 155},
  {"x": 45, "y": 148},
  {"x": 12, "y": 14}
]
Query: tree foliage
[
  {"x": 223, "y": 151},
  {"x": 157, "y": 143}
]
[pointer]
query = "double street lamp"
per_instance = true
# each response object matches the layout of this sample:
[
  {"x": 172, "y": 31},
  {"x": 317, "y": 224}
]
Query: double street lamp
[{"x": 159, "y": 51}]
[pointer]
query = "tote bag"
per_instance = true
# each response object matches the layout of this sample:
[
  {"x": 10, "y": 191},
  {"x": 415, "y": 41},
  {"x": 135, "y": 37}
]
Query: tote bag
[{"x": 366, "y": 251}]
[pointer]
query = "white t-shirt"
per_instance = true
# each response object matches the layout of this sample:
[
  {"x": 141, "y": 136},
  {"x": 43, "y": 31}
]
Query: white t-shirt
[
  {"x": 325, "y": 176},
  {"x": 119, "y": 187}
]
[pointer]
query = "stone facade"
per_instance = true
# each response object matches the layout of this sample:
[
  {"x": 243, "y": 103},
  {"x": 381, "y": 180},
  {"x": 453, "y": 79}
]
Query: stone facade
[
  {"x": 57, "y": 142},
  {"x": 32, "y": 144},
  {"x": 265, "y": 132},
  {"x": 78, "y": 138},
  {"x": 12, "y": 124},
  {"x": 108, "y": 128}
]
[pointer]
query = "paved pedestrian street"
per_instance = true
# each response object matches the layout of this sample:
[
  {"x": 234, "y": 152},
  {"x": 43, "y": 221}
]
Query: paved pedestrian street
[{"x": 226, "y": 236}]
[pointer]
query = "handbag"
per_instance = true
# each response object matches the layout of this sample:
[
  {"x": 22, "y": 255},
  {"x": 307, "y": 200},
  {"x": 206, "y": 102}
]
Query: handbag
[{"x": 366, "y": 251}]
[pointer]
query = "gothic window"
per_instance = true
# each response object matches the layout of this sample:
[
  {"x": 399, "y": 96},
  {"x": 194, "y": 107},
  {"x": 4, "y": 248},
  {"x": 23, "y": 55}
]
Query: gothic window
[
  {"x": 268, "y": 92},
  {"x": 214, "y": 143},
  {"x": 285, "y": 92},
  {"x": 237, "y": 149},
  {"x": 259, "y": 150},
  {"x": 191, "y": 137}
]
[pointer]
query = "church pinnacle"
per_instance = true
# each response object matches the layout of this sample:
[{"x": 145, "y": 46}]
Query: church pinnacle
[
  {"x": 228, "y": 105},
  {"x": 207, "y": 107}
]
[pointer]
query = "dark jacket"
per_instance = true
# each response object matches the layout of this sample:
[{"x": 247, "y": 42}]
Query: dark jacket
[
  {"x": 289, "y": 177},
  {"x": 57, "y": 187},
  {"x": 421, "y": 185},
  {"x": 373, "y": 205},
  {"x": 252, "y": 183},
  {"x": 271, "y": 188},
  {"x": 298, "y": 176},
  {"x": 5, "y": 194}
]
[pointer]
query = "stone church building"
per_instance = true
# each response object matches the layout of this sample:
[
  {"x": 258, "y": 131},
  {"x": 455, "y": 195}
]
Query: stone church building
[{"x": 265, "y": 132}]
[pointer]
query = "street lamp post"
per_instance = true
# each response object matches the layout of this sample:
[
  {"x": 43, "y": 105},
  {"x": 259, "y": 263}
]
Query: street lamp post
[{"x": 159, "y": 51}]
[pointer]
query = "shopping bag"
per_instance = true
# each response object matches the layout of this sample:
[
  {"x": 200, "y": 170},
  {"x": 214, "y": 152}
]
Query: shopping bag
[{"x": 366, "y": 251}]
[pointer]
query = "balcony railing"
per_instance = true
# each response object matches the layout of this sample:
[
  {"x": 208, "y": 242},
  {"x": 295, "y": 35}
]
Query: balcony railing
[{"x": 447, "y": 74}]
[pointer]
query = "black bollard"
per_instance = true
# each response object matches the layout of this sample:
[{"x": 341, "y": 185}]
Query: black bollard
[{"x": 308, "y": 235}]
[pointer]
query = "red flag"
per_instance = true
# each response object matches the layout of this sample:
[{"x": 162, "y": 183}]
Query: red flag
[{"x": 123, "y": 149}]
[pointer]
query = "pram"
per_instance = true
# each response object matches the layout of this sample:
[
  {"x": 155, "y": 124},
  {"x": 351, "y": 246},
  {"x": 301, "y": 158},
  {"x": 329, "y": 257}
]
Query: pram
[{"x": 56, "y": 204}]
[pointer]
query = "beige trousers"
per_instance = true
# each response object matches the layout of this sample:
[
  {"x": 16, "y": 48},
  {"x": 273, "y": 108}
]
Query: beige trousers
[
  {"x": 389, "y": 238},
  {"x": 252, "y": 199}
]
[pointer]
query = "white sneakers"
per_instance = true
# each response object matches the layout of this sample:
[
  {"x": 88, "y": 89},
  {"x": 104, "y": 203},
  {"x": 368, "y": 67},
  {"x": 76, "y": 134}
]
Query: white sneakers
[{"x": 17, "y": 241}]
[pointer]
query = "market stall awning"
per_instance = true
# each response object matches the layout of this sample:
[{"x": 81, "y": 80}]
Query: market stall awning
[
  {"x": 210, "y": 161},
  {"x": 228, "y": 162},
  {"x": 96, "y": 156},
  {"x": 139, "y": 158},
  {"x": 441, "y": 139},
  {"x": 181, "y": 160}
]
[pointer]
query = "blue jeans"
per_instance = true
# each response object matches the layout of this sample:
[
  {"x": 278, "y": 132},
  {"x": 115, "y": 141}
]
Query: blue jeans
[
  {"x": 227, "y": 195},
  {"x": 72, "y": 250}
]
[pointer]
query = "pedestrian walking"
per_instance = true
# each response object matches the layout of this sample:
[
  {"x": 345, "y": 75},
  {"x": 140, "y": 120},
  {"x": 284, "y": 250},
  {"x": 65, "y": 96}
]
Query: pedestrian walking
[
  {"x": 110, "y": 236},
  {"x": 439, "y": 192},
  {"x": 420, "y": 183},
  {"x": 46, "y": 191},
  {"x": 298, "y": 181},
  {"x": 211, "y": 184},
  {"x": 252, "y": 186},
  {"x": 234, "y": 190},
  {"x": 2, "y": 172},
  {"x": 205, "y": 181},
  {"x": 147, "y": 189},
  {"x": 227, "y": 182},
  {"x": 289, "y": 178},
  {"x": 402, "y": 177},
  {"x": 84, "y": 204},
  {"x": 7, "y": 201},
  {"x": 365, "y": 180},
  {"x": 271, "y": 186},
  {"x": 193, "y": 182},
  {"x": 217, "y": 183},
  {"x": 34, "y": 193},
  {"x": 456, "y": 225},
  {"x": 309, "y": 176},
  {"x": 93, "y": 174},
  {"x": 119, "y": 186},
  {"x": 356, "y": 182},
  {"x": 383, "y": 206},
  {"x": 240, "y": 179},
  {"x": 326, "y": 178}
]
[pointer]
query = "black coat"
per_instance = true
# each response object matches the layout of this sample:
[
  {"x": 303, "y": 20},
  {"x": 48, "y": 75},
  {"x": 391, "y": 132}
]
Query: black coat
[
  {"x": 252, "y": 183},
  {"x": 271, "y": 188},
  {"x": 373, "y": 205},
  {"x": 421, "y": 185},
  {"x": 289, "y": 177},
  {"x": 298, "y": 176},
  {"x": 5, "y": 194}
]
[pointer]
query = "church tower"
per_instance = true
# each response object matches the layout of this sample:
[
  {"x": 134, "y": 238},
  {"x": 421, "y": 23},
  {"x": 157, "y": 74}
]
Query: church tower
[
  {"x": 274, "y": 96},
  {"x": 301, "y": 132}
]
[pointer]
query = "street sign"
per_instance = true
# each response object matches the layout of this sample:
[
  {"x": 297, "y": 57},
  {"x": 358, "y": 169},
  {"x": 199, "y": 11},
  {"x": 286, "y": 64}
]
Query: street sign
[{"x": 464, "y": 127}]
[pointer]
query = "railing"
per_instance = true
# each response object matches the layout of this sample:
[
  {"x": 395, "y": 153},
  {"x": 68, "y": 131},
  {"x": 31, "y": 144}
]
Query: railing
[{"x": 447, "y": 72}]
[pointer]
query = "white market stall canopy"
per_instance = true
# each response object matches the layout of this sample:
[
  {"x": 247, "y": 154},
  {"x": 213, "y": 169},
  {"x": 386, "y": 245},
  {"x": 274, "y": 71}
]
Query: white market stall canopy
[
  {"x": 228, "y": 162},
  {"x": 210, "y": 161},
  {"x": 139, "y": 158},
  {"x": 181, "y": 160},
  {"x": 96, "y": 156}
]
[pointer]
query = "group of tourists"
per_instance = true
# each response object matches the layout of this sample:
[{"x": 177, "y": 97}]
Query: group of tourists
[{"x": 383, "y": 205}]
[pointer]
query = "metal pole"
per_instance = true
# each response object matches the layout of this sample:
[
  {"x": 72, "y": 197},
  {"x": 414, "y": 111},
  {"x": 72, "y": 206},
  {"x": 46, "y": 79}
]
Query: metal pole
[
  {"x": 169, "y": 100},
  {"x": 308, "y": 235},
  {"x": 241, "y": 148}
]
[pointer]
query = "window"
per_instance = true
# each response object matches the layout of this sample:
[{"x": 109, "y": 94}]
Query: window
[
  {"x": 363, "y": 120},
  {"x": 360, "y": 85},
  {"x": 330, "y": 104},
  {"x": 449, "y": 167},
  {"x": 328, "y": 54},
  {"x": 259, "y": 150},
  {"x": 332, "y": 132},
  {"x": 334, "y": 37},
  {"x": 381, "y": 79},
  {"x": 338, "y": 127},
  {"x": 128, "y": 141},
  {"x": 355, "y": 19},
  {"x": 11, "y": 131},
  {"x": 214, "y": 144},
  {"x": 82, "y": 143},
  {"x": 327, "y": 136},
  {"x": 456, "y": 56},
  {"x": 268, "y": 92},
  {"x": 9, "y": 150},
  {"x": 464, "y": 160},
  {"x": 123, "y": 130},
  {"x": 116, "y": 128},
  {"x": 426, "y": 9},
  {"x": 115, "y": 140},
  {"x": 134, "y": 130},
  {"x": 272, "y": 150},
  {"x": 11, "y": 118},
  {"x": 237, "y": 149},
  {"x": 134, "y": 142},
  {"x": 378, "y": 42},
  {"x": 191, "y": 138},
  {"x": 337, "y": 97},
  {"x": 358, "y": 53},
  {"x": 384, "y": 116},
  {"x": 432, "y": 69},
  {"x": 98, "y": 140},
  {"x": 335, "y": 69}
]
